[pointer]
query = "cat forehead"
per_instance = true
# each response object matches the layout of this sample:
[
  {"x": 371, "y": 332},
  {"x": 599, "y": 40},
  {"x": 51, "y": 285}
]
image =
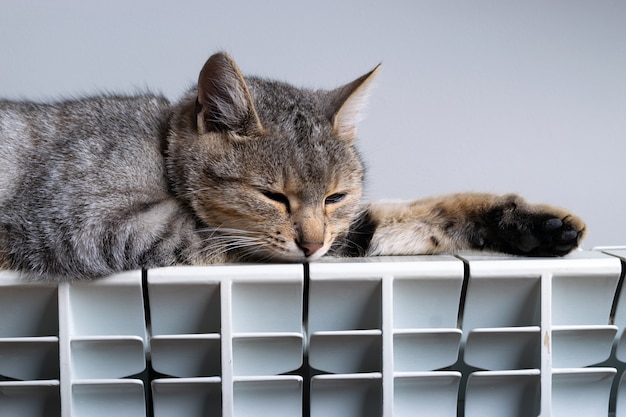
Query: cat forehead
[
  {"x": 275, "y": 97},
  {"x": 317, "y": 162}
]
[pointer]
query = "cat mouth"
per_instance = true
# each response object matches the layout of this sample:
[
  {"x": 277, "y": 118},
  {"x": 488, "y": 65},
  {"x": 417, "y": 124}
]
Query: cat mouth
[
  {"x": 292, "y": 254},
  {"x": 316, "y": 255},
  {"x": 252, "y": 247}
]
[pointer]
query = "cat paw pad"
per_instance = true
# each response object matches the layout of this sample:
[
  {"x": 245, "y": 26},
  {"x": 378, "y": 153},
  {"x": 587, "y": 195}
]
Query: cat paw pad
[{"x": 536, "y": 230}]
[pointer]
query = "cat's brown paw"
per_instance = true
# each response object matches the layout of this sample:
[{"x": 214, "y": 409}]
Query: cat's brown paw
[{"x": 533, "y": 230}]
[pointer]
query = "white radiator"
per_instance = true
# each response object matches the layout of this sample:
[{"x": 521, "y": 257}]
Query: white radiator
[{"x": 472, "y": 336}]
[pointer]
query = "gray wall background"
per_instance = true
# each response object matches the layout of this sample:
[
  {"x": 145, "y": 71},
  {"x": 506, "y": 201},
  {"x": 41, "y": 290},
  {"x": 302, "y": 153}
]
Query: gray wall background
[{"x": 519, "y": 96}]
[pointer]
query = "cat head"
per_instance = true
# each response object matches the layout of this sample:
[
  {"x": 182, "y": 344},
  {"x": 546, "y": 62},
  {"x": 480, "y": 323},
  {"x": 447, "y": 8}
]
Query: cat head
[{"x": 271, "y": 170}]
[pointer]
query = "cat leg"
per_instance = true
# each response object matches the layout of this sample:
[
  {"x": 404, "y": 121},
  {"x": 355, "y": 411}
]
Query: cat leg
[{"x": 467, "y": 221}]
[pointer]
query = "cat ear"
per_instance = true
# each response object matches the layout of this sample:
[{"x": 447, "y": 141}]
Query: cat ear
[
  {"x": 224, "y": 102},
  {"x": 347, "y": 104}
]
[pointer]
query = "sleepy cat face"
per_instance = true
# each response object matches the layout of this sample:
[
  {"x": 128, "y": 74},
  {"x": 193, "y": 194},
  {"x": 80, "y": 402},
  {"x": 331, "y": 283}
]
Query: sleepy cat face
[
  {"x": 269, "y": 169},
  {"x": 288, "y": 201}
]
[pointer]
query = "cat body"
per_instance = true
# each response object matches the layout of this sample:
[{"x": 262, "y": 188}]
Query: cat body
[
  {"x": 240, "y": 169},
  {"x": 83, "y": 194}
]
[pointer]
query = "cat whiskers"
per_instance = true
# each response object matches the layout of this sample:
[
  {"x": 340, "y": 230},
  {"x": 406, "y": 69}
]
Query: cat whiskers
[
  {"x": 222, "y": 240},
  {"x": 339, "y": 246},
  {"x": 344, "y": 241}
]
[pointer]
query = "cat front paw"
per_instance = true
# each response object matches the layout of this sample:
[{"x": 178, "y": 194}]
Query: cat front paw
[{"x": 534, "y": 230}]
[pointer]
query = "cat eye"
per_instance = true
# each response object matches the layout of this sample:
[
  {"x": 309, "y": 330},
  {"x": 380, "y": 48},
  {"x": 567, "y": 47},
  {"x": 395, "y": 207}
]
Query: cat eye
[
  {"x": 277, "y": 197},
  {"x": 334, "y": 198}
]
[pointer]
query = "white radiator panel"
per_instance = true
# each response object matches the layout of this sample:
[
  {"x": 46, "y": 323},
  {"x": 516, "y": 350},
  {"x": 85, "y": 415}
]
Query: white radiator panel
[{"x": 473, "y": 335}]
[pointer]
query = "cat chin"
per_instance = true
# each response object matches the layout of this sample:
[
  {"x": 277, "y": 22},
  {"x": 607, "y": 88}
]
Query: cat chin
[{"x": 317, "y": 255}]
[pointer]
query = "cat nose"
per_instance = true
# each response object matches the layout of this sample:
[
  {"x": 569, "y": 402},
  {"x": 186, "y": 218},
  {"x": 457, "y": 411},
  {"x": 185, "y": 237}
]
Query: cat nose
[{"x": 309, "y": 248}]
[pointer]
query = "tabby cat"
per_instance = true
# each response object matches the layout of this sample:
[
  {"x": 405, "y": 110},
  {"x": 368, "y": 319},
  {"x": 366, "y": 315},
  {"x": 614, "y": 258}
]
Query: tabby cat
[{"x": 240, "y": 169}]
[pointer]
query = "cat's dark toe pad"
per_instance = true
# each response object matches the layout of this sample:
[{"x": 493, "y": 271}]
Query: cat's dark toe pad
[
  {"x": 553, "y": 224},
  {"x": 553, "y": 236}
]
